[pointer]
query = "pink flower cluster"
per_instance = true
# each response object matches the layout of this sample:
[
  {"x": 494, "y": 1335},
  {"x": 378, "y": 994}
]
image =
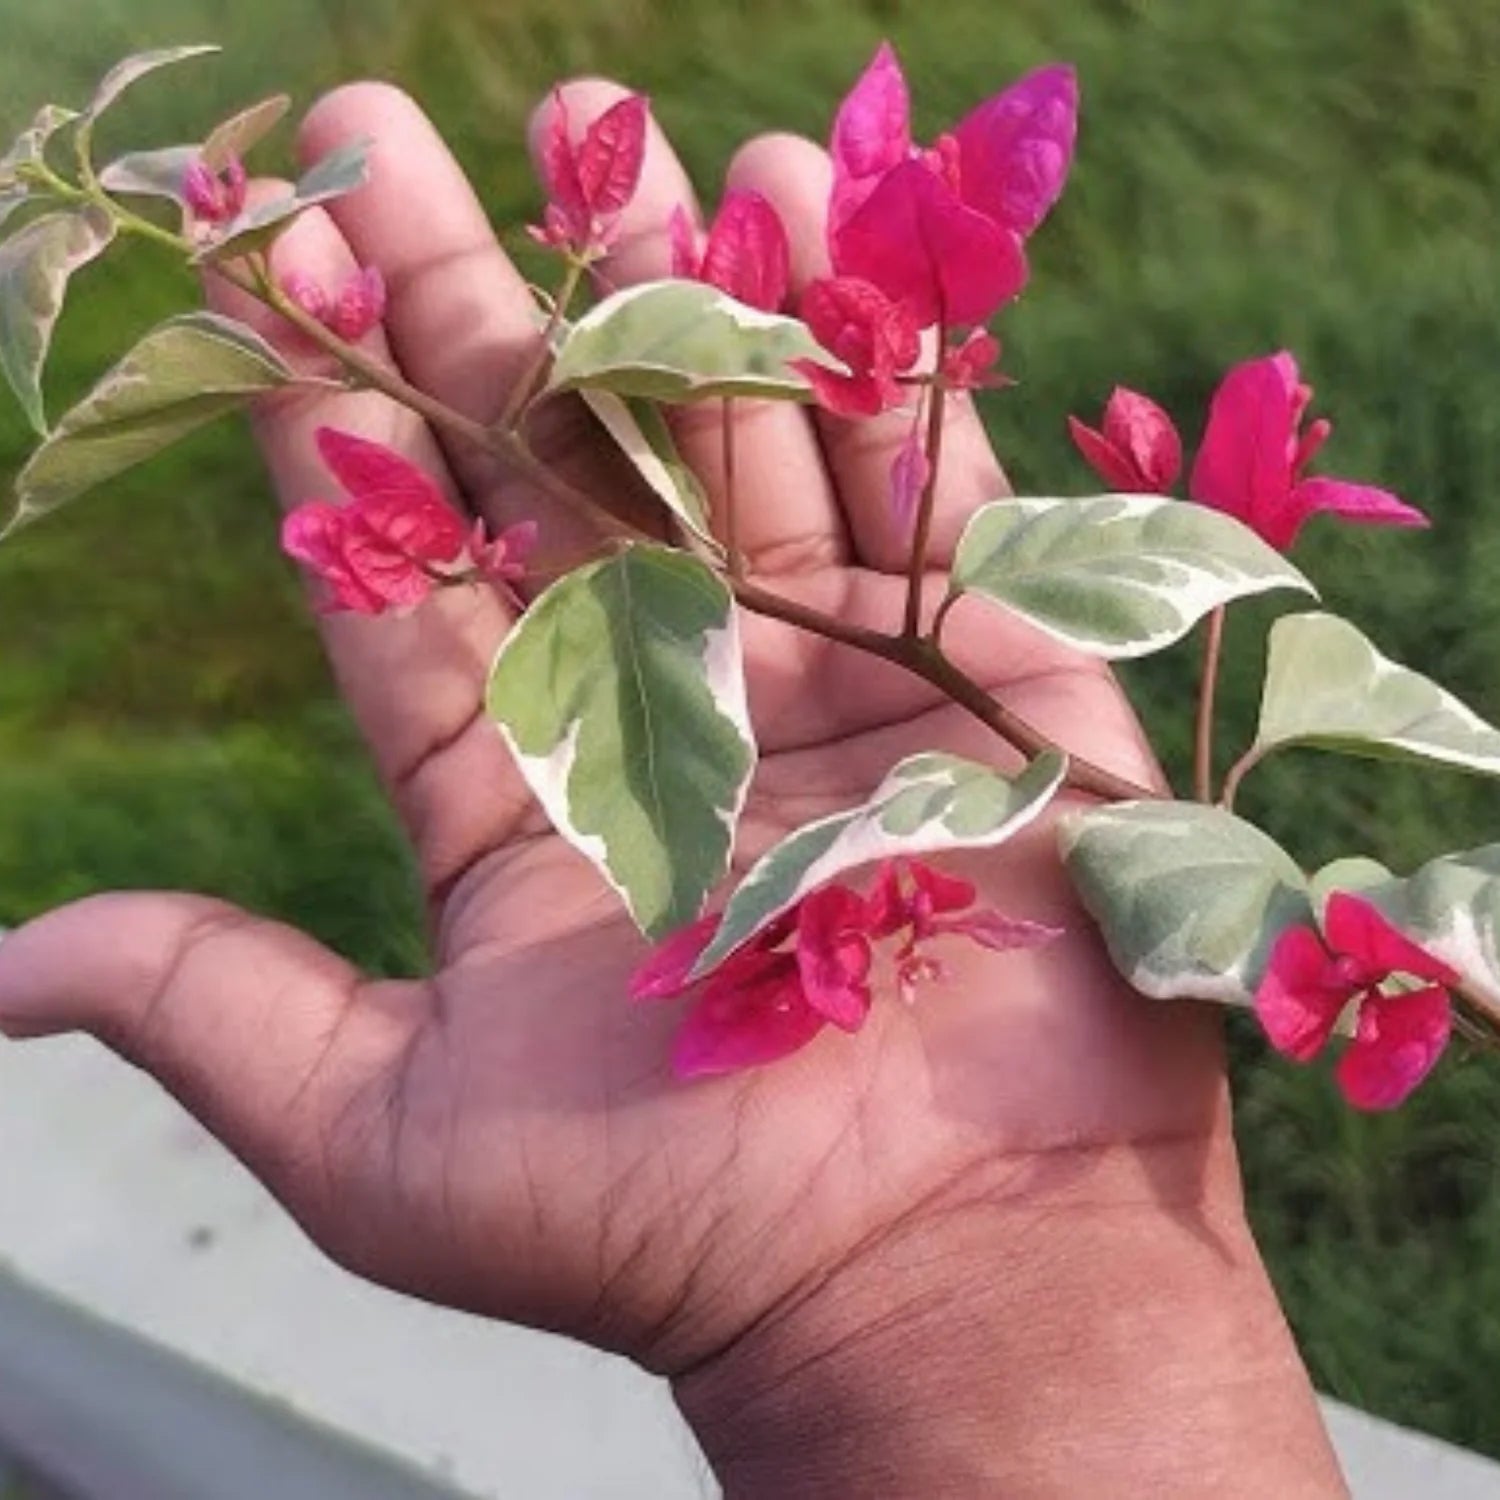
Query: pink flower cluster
[
  {"x": 931, "y": 236},
  {"x": 1253, "y": 459},
  {"x": 879, "y": 340},
  {"x": 744, "y": 254},
  {"x": 942, "y": 229},
  {"x": 1400, "y": 1031},
  {"x": 398, "y": 538},
  {"x": 215, "y": 197},
  {"x": 353, "y": 311},
  {"x": 589, "y": 181},
  {"x": 810, "y": 968}
]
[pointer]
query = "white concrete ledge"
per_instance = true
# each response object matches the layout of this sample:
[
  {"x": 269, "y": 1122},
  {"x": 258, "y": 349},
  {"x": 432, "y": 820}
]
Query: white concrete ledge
[
  {"x": 104, "y": 1415},
  {"x": 1386, "y": 1462},
  {"x": 111, "y": 1197}
]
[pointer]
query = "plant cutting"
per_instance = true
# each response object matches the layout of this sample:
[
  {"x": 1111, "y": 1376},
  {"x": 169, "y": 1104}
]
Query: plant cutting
[{"x": 619, "y": 692}]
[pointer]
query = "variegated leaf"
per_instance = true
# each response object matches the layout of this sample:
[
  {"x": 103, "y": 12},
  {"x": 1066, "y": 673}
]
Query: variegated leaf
[
  {"x": 1354, "y": 874},
  {"x": 621, "y": 694},
  {"x": 1115, "y": 575},
  {"x": 12, "y": 200},
  {"x": 30, "y": 147},
  {"x": 684, "y": 341},
  {"x": 1190, "y": 899},
  {"x": 154, "y": 174},
  {"x": 132, "y": 69},
  {"x": 241, "y": 133},
  {"x": 1328, "y": 687},
  {"x": 35, "y": 265},
  {"x": 1451, "y": 907},
  {"x": 337, "y": 174},
  {"x": 159, "y": 174},
  {"x": 926, "y": 803},
  {"x": 179, "y": 377},
  {"x": 641, "y": 433}
]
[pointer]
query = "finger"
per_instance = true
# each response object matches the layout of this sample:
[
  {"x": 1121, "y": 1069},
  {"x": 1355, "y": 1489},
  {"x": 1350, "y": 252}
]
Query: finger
[
  {"x": 787, "y": 517},
  {"x": 268, "y": 1038},
  {"x": 797, "y": 177},
  {"x": 414, "y": 682},
  {"x": 460, "y": 318}
]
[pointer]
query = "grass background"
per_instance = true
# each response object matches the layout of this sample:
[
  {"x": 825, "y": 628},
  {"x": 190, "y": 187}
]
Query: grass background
[{"x": 1318, "y": 177}]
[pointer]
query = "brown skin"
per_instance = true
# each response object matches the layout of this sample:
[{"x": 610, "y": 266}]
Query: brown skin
[{"x": 992, "y": 1245}]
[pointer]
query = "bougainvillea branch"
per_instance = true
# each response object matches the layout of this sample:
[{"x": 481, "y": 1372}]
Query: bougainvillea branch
[
  {"x": 633, "y": 655},
  {"x": 920, "y": 657}
]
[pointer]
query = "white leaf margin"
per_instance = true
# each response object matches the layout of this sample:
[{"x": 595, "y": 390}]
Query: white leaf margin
[
  {"x": 1451, "y": 907},
  {"x": 65, "y": 242},
  {"x": 80, "y": 419},
  {"x": 1231, "y": 987},
  {"x": 548, "y": 775},
  {"x": 564, "y": 377},
  {"x": 624, "y": 428},
  {"x": 1198, "y": 594},
  {"x": 856, "y": 837},
  {"x": 30, "y": 146},
  {"x": 131, "y": 70},
  {"x": 1283, "y": 640}
]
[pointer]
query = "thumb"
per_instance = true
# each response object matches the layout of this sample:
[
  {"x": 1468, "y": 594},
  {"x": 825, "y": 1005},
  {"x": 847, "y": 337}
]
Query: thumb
[{"x": 272, "y": 1041}]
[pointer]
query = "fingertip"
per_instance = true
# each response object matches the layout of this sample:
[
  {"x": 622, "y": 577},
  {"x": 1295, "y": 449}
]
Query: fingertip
[
  {"x": 763, "y": 157},
  {"x": 56, "y": 975},
  {"x": 796, "y": 176},
  {"x": 585, "y": 99},
  {"x": 367, "y": 107}
]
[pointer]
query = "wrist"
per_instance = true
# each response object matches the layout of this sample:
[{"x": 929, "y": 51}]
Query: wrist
[{"x": 1094, "y": 1322}]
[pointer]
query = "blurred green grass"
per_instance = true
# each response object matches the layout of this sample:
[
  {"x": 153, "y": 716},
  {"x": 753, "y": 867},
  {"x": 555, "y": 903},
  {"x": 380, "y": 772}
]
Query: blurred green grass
[{"x": 1317, "y": 177}]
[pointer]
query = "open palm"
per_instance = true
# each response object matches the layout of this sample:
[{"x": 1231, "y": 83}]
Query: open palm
[{"x": 506, "y": 1135}]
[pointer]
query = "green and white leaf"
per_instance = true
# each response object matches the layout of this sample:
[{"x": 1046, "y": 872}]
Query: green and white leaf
[
  {"x": 30, "y": 147},
  {"x": 159, "y": 174},
  {"x": 1190, "y": 899},
  {"x": 926, "y": 803},
  {"x": 1329, "y": 688},
  {"x": 35, "y": 265},
  {"x": 1115, "y": 575},
  {"x": 1355, "y": 874},
  {"x": 180, "y": 376},
  {"x": 337, "y": 174},
  {"x": 154, "y": 174},
  {"x": 1451, "y": 907},
  {"x": 684, "y": 341},
  {"x": 241, "y": 133},
  {"x": 132, "y": 69},
  {"x": 13, "y": 199},
  {"x": 640, "y": 431},
  {"x": 621, "y": 694}
]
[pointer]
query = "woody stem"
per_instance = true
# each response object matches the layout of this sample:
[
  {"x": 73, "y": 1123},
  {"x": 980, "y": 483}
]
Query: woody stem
[
  {"x": 731, "y": 519},
  {"x": 1203, "y": 739},
  {"x": 526, "y": 387},
  {"x": 916, "y": 572},
  {"x": 1237, "y": 773},
  {"x": 920, "y": 657}
]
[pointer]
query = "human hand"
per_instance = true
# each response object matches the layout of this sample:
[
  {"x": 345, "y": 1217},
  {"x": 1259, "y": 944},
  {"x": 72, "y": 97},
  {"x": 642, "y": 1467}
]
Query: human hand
[{"x": 505, "y": 1135}]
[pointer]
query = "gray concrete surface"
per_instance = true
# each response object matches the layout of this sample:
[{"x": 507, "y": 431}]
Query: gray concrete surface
[
  {"x": 105, "y": 1415},
  {"x": 111, "y": 1197}
]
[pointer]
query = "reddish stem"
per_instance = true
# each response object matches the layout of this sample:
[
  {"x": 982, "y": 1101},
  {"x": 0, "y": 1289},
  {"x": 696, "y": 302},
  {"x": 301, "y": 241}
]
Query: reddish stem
[
  {"x": 1203, "y": 740},
  {"x": 916, "y": 573},
  {"x": 918, "y": 656}
]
